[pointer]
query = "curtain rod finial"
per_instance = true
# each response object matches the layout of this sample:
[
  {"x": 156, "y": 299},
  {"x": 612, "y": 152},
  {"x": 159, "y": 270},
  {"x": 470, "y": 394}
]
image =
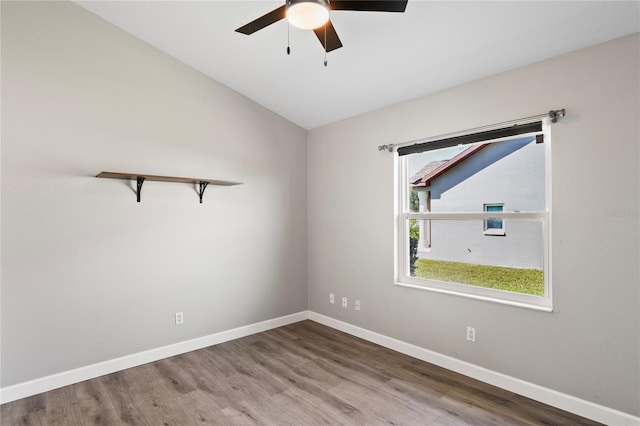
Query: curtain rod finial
[{"x": 555, "y": 114}]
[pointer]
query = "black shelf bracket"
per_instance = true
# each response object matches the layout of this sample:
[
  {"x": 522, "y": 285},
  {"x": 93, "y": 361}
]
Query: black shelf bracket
[
  {"x": 203, "y": 186},
  {"x": 140, "y": 181}
]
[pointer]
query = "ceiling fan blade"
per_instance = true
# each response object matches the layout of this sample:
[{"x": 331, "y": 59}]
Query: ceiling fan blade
[
  {"x": 333, "y": 41},
  {"x": 369, "y": 6},
  {"x": 264, "y": 21}
]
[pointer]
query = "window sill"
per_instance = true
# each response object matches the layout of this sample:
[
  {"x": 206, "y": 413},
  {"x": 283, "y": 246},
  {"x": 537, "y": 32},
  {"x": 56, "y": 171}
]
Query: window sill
[
  {"x": 495, "y": 232},
  {"x": 478, "y": 297}
]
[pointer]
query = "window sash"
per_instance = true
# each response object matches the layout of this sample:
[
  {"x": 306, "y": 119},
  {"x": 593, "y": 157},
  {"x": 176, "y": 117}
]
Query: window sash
[
  {"x": 534, "y": 215},
  {"x": 543, "y": 303}
]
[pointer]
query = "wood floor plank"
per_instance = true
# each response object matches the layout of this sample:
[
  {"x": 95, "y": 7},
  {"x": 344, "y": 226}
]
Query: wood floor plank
[
  {"x": 301, "y": 374},
  {"x": 63, "y": 407},
  {"x": 305, "y": 409},
  {"x": 386, "y": 408},
  {"x": 95, "y": 404}
]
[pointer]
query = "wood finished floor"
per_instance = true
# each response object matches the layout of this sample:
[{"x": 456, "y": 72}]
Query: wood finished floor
[{"x": 301, "y": 374}]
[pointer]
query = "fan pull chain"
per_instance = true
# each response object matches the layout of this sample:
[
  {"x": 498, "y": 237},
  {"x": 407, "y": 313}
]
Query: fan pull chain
[
  {"x": 288, "y": 44},
  {"x": 325, "y": 44}
]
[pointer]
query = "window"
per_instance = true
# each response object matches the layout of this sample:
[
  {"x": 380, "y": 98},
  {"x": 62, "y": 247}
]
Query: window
[
  {"x": 447, "y": 219},
  {"x": 494, "y": 226}
]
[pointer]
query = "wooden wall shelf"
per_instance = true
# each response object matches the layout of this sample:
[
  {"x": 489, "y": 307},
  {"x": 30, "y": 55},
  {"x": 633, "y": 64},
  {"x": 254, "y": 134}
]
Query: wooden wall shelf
[{"x": 140, "y": 179}]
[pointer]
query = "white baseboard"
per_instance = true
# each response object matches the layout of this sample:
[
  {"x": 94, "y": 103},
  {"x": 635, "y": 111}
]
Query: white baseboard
[
  {"x": 547, "y": 396},
  {"x": 65, "y": 378},
  {"x": 557, "y": 399}
]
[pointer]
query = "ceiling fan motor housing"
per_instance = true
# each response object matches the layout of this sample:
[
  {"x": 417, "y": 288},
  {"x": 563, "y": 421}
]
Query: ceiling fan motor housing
[{"x": 308, "y": 14}]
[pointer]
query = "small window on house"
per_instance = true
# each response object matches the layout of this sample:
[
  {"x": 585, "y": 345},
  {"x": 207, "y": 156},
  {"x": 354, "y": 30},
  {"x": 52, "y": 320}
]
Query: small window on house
[
  {"x": 494, "y": 226},
  {"x": 444, "y": 218}
]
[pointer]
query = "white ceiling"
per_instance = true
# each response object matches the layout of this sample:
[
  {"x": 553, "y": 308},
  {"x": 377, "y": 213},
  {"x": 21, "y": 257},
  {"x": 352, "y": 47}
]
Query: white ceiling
[{"x": 386, "y": 58}]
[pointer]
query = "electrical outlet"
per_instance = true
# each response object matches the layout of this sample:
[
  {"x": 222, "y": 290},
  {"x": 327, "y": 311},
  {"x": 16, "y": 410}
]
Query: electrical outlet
[
  {"x": 179, "y": 318},
  {"x": 357, "y": 305},
  {"x": 471, "y": 334},
  {"x": 345, "y": 302},
  {"x": 332, "y": 298}
]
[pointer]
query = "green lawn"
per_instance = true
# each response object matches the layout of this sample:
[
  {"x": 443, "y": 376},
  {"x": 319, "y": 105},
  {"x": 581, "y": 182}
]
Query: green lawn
[{"x": 519, "y": 280}]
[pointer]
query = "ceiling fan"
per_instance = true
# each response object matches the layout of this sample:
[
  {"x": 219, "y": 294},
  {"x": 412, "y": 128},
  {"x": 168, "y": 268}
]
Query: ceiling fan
[{"x": 314, "y": 15}]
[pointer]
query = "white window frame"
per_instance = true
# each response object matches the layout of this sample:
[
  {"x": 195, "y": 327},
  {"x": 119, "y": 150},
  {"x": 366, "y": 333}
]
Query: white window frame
[
  {"x": 494, "y": 231},
  {"x": 402, "y": 275}
]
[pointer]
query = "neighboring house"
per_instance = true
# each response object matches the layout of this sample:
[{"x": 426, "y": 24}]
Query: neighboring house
[{"x": 501, "y": 176}]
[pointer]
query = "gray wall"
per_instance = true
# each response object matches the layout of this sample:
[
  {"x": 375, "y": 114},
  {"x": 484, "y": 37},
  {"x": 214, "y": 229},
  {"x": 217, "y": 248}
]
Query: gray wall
[
  {"x": 589, "y": 346},
  {"x": 88, "y": 274},
  {"x": 511, "y": 173}
]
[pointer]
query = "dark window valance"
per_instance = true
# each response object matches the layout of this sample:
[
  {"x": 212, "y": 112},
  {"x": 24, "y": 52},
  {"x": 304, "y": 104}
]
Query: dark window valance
[{"x": 487, "y": 135}]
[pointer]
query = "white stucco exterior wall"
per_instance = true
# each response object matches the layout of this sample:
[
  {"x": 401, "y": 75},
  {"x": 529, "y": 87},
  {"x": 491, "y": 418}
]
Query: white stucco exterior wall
[{"x": 511, "y": 173}]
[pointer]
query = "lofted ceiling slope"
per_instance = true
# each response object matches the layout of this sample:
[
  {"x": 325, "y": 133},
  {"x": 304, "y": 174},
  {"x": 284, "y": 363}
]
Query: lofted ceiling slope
[{"x": 386, "y": 58}]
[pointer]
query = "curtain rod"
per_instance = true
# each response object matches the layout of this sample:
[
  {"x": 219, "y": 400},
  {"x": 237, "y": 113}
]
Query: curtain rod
[{"x": 553, "y": 115}]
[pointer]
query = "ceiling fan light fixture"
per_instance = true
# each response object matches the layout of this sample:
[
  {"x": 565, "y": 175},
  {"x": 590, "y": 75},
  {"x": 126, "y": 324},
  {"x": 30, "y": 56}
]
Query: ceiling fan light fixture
[{"x": 308, "y": 14}]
